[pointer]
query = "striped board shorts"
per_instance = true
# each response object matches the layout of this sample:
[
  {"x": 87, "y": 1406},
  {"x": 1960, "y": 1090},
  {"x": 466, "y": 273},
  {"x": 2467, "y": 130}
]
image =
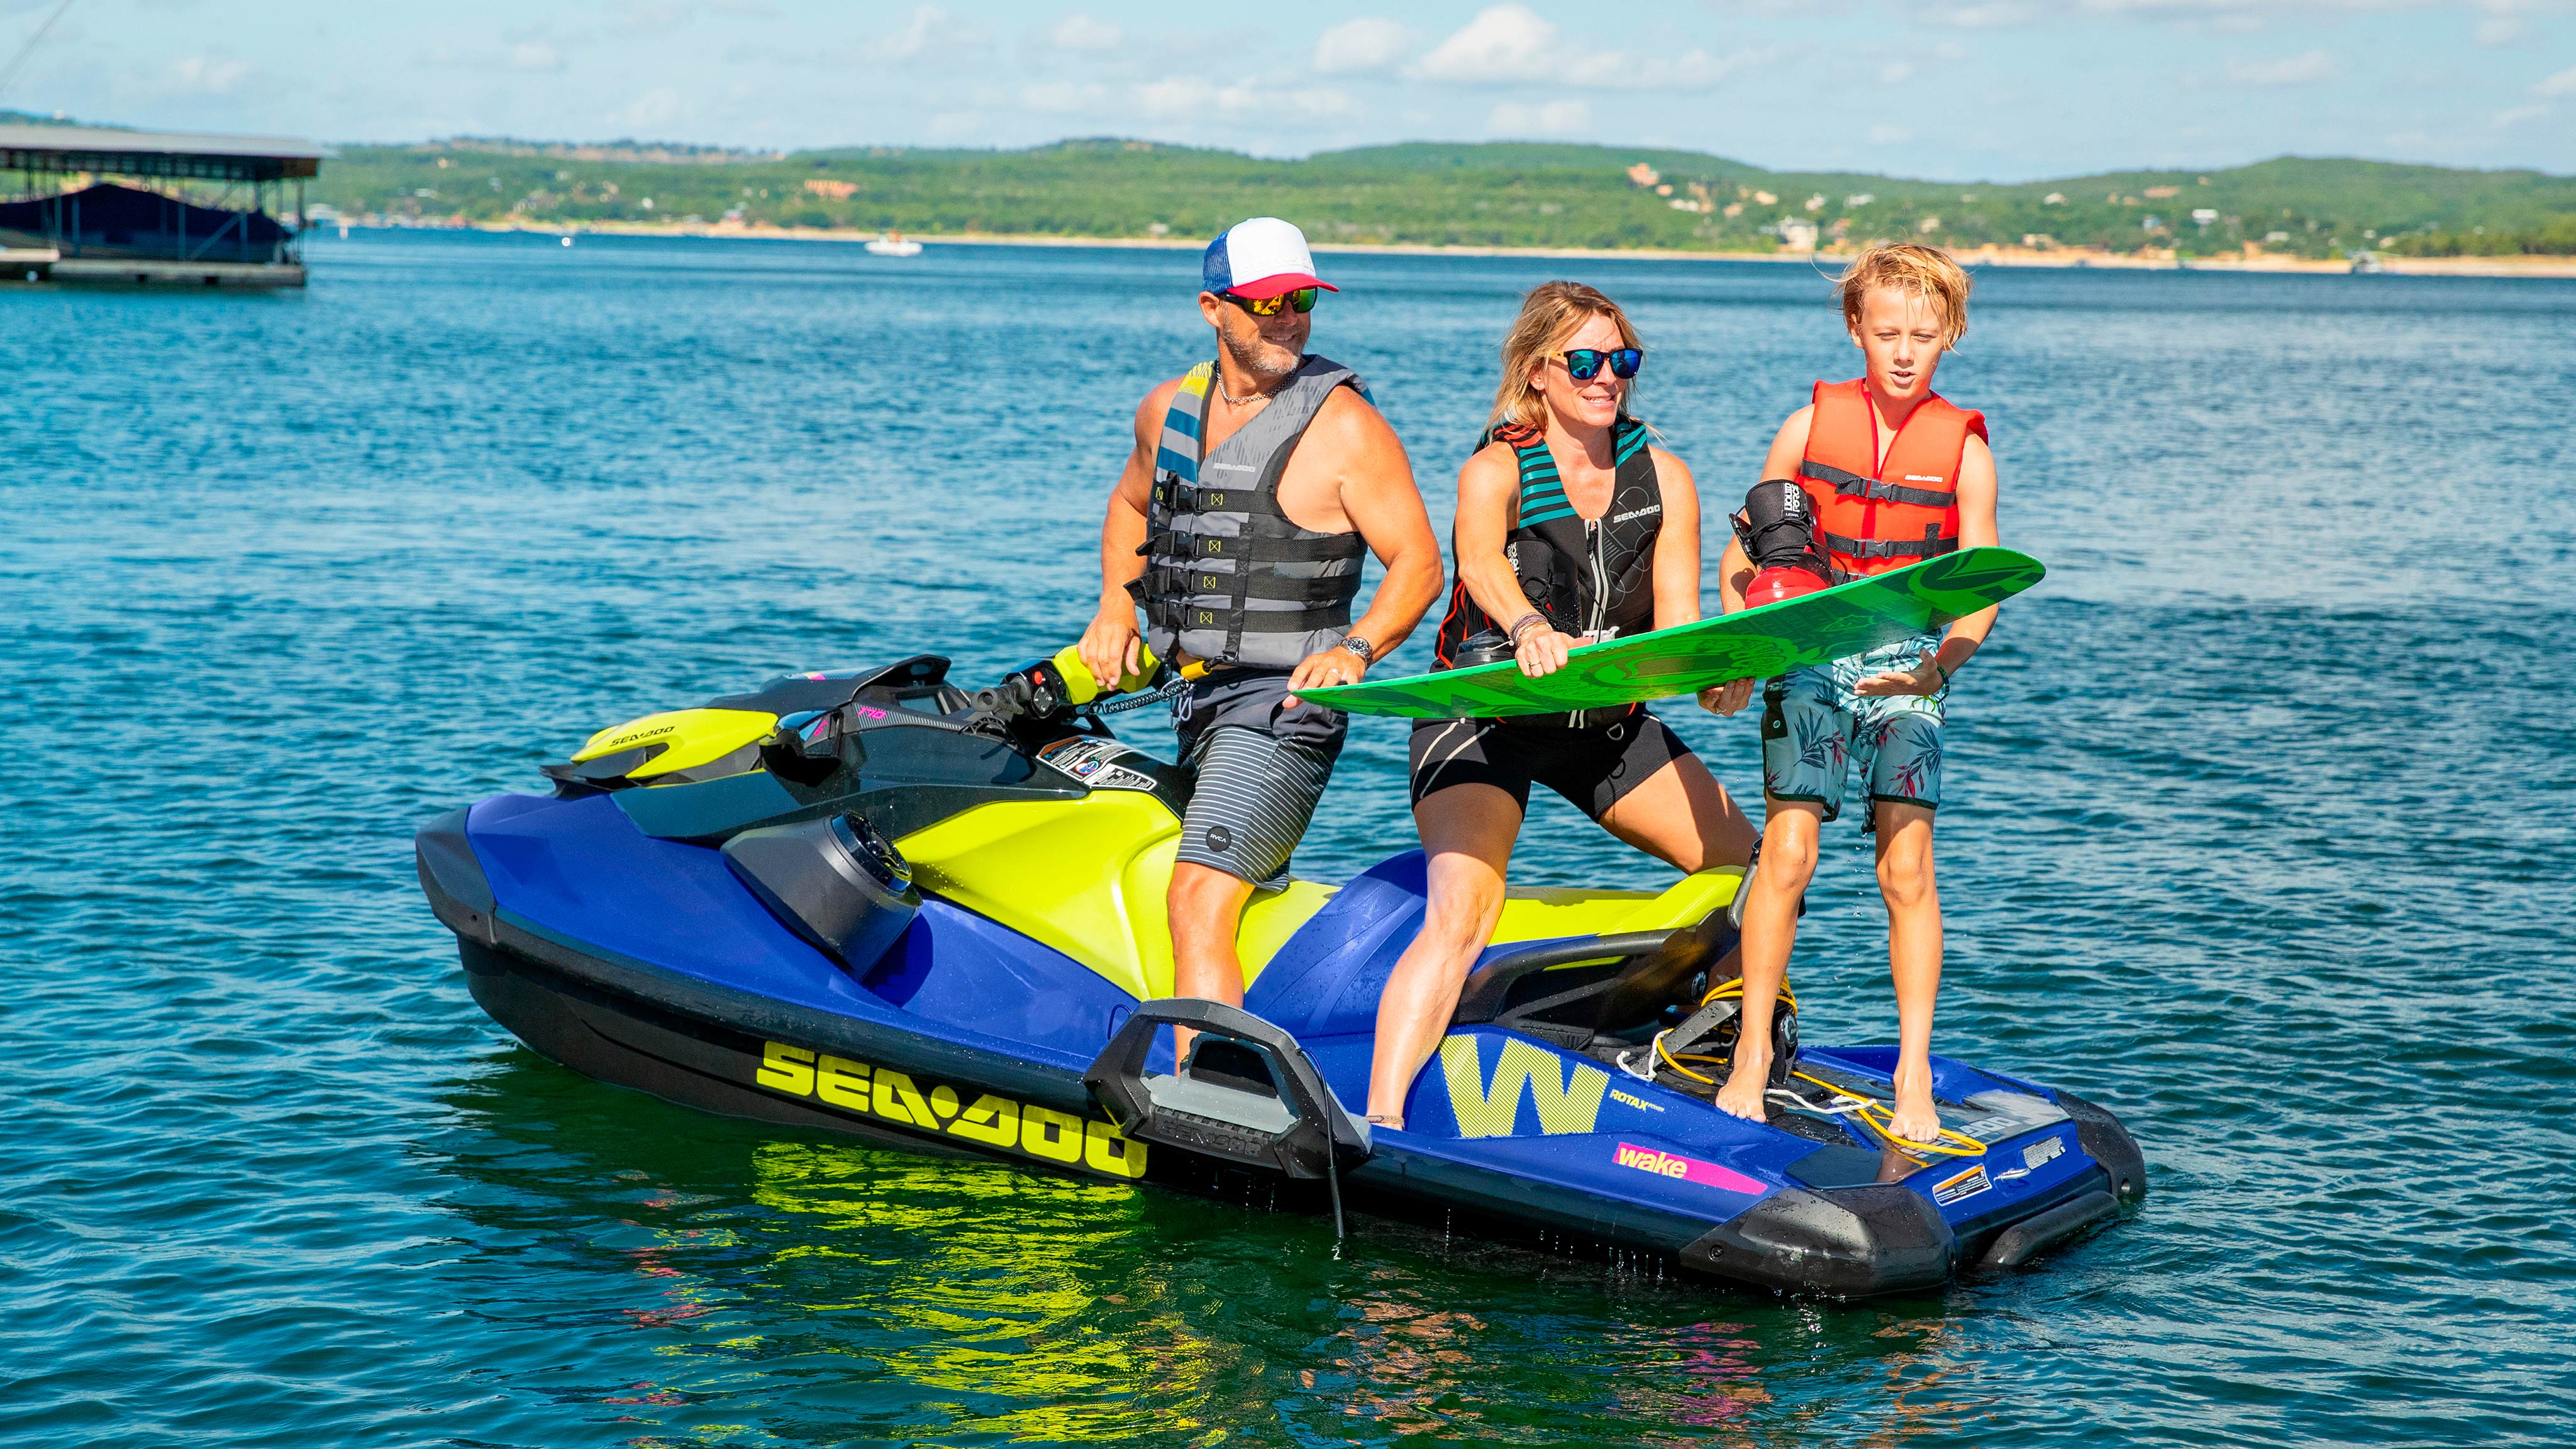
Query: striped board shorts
[{"x": 1260, "y": 769}]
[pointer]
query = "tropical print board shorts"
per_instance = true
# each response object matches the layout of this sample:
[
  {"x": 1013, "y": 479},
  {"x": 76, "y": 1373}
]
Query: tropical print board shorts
[{"x": 1816, "y": 732}]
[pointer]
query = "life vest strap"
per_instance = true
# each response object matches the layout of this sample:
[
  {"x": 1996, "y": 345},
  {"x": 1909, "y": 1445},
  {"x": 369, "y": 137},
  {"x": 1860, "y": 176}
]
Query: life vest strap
[
  {"x": 1173, "y": 614},
  {"x": 1178, "y": 495},
  {"x": 1875, "y": 548},
  {"x": 1189, "y": 547},
  {"x": 1849, "y": 484},
  {"x": 1181, "y": 583}
]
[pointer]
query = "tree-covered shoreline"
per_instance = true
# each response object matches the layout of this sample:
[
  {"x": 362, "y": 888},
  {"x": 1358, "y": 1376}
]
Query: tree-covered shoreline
[{"x": 1439, "y": 194}]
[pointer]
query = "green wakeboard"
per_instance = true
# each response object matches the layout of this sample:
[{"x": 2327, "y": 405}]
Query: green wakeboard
[{"x": 1754, "y": 644}]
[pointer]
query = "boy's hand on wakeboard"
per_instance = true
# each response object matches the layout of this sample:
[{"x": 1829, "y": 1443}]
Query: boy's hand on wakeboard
[
  {"x": 1727, "y": 698},
  {"x": 1923, "y": 678}
]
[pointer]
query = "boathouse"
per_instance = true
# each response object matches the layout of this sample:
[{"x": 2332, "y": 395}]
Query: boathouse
[{"x": 87, "y": 203}]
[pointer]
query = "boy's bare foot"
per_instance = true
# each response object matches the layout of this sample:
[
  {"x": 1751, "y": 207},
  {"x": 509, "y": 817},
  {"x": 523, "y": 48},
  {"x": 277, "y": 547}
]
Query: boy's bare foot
[
  {"x": 1915, "y": 1119},
  {"x": 1742, "y": 1094}
]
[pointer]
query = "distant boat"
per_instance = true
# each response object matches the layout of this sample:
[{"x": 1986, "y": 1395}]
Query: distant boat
[
  {"x": 892, "y": 244},
  {"x": 2366, "y": 263}
]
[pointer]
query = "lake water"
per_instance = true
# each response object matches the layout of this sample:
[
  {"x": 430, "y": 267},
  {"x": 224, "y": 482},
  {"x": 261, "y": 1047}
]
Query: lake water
[{"x": 2259, "y": 832}]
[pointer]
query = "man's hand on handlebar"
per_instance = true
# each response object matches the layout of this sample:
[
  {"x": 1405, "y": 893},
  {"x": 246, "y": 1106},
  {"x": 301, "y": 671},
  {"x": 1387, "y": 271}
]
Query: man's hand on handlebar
[{"x": 1111, "y": 648}]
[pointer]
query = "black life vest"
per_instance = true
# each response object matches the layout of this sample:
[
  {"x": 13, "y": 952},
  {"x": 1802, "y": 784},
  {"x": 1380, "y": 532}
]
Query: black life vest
[
  {"x": 1228, "y": 578},
  {"x": 1585, "y": 576}
]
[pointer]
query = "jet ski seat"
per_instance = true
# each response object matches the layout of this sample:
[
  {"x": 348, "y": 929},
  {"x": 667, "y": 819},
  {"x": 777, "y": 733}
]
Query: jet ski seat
[
  {"x": 1571, "y": 992},
  {"x": 1605, "y": 952}
]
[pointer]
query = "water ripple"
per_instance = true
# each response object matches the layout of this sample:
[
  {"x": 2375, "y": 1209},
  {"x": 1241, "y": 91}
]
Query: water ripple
[{"x": 2259, "y": 832}]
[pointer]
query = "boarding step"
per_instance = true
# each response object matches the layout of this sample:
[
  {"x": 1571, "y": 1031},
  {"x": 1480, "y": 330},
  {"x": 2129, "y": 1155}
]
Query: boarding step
[{"x": 1248, "y": 1094}]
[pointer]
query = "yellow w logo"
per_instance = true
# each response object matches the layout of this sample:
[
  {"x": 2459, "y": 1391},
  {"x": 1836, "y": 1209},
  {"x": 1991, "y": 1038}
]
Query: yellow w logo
[{"x": 1565, "y": 1104}]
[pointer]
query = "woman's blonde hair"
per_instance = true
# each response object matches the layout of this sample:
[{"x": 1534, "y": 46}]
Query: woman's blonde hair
[
  {"x": 1915, "y": 270},
  {"x": 1550, "y": 314}
]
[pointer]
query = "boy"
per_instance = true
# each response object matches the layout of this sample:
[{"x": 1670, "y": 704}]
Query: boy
[{"x": 1885, "y": 473}]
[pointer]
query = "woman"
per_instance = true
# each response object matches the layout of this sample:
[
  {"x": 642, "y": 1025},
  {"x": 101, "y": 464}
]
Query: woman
[{"x": 1571, "y": 527}]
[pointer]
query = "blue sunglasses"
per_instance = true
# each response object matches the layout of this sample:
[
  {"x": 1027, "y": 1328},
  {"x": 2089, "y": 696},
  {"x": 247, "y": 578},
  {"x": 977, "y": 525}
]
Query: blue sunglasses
[{"x": 1584, "y": 363}]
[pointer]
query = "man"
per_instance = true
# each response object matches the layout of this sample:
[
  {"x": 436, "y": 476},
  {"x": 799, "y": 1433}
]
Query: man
[
  {"x": 1874, "y": 474},
  {"x": 1238, "y": 525}
]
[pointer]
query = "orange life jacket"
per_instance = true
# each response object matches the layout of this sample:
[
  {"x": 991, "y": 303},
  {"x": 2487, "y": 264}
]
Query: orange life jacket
[{"x": 1873, "y": 516}]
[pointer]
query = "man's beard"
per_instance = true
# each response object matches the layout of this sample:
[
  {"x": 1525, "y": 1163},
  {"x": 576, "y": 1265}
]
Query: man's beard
[{"x": 1264, "y": 359}]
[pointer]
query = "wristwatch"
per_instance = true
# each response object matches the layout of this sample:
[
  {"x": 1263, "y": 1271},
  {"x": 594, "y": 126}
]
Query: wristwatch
[{"x": 1359, "y": 646}]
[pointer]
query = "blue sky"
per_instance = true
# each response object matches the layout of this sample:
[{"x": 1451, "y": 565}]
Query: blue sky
[{"x": 1966, "y": 89}]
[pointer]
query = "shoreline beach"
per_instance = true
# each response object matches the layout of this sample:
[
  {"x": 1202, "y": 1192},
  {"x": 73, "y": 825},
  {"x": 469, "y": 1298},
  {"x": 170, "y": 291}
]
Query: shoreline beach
[{"x": 1982, "y": 256}]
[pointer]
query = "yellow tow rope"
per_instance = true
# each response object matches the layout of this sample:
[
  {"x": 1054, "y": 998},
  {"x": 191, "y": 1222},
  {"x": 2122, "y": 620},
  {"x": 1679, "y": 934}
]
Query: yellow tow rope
[{"x": 1868, "y": 1109}]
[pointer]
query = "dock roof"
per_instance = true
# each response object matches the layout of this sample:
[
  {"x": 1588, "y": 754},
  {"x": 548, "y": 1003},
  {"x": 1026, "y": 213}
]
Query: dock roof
[{"x": 154, "y": 153}]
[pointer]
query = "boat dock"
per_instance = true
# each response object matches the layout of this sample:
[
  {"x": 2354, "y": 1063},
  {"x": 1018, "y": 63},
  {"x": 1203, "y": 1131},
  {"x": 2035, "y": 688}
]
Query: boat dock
[{"x": 196, "y": 210}]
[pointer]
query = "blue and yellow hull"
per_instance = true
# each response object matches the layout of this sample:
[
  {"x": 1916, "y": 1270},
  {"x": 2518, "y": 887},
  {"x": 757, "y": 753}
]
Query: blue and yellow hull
[{"x": 638, "y": 958}]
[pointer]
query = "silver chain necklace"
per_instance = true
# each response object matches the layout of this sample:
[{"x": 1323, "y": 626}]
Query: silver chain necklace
[{"x": 1241, "y": 402}]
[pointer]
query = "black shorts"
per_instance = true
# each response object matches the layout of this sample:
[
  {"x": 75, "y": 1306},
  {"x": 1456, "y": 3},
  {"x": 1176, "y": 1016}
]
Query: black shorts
[{"x": 1592, "y": 766}]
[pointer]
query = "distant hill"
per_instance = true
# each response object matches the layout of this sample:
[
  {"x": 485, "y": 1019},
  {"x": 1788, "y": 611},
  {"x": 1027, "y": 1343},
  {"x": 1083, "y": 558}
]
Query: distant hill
[{"x": 1430, "y": 193}]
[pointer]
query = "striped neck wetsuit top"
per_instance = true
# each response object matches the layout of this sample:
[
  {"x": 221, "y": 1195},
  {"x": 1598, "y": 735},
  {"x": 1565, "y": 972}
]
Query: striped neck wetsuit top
[
  {"x": 1586, "y": 576},
  {"x": 1228, "y": 578}
]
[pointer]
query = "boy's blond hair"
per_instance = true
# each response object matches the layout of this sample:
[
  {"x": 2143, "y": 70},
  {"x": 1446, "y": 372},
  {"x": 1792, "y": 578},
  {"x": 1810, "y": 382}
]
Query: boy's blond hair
[{"x": 1921, "y": 271}]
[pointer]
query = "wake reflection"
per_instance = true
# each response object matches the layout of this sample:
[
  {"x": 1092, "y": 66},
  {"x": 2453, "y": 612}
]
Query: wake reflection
[{"x": 771, "y": 1290}]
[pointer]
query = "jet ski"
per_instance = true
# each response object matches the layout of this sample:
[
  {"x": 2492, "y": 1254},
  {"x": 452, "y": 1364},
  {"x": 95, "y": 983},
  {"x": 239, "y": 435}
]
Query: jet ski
[{"x": 872, "y": 903}]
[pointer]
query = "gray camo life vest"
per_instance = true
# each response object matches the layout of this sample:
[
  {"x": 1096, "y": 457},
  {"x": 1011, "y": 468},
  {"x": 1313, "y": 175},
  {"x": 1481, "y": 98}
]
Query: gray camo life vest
[{"x": 1228, "y": 578}]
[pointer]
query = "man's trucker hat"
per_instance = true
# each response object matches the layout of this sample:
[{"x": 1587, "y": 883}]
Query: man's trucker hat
[{"x": 1260, "y": 258}]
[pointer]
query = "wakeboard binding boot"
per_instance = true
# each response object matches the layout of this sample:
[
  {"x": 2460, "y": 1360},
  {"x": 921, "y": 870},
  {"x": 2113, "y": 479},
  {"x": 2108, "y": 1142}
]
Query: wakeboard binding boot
[{"x": 1778, "y": 530}]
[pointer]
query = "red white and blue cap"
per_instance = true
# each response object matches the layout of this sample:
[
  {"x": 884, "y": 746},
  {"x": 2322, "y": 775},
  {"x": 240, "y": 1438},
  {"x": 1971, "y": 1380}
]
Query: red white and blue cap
[{"x": 1259, "y": 259}]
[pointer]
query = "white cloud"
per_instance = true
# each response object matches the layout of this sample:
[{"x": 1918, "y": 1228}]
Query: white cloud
[
  {"x": 2516, "y": 115},
  {"x": 1884, "y": 135},
  {"x": 1192, "y": 96},
  {"x": 1357, "y": 47},
  {"x": 1081, "y": 32},
  {"x": 930, "y": 30},
  {"x": 656, "y": 108},
  {"x": 535, "y": 55},
  {"x": 2561, "y": 84},
  {"x": 1895, "y": 72},
  {"x": 211, "y": 75},
  {"x": 2296, "y": 70},
  {"x": 1503, "y": 43},
  {"x": 1063, "y": 96},
  {"x": 2499, "y": 30},
  {"x": 1692, "y": 70},
  {"x": 955, "y": 125},
  {"x": 1175, "y": 95},
  {"x": 1510, "y": 44},
  {"x": 1555, "y": 118}
]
